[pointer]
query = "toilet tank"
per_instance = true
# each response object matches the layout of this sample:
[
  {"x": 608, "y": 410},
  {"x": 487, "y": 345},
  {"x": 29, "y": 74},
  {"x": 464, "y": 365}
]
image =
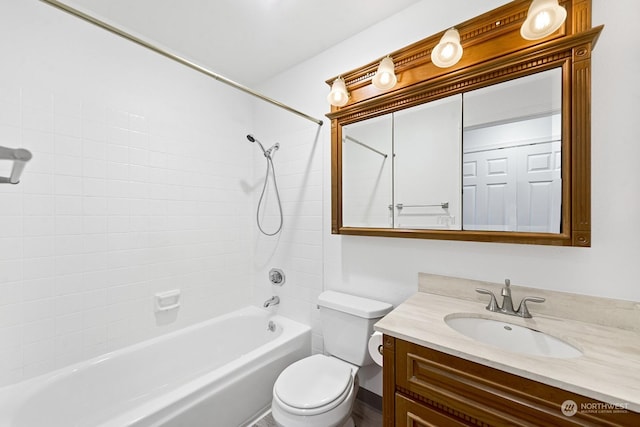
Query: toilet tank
[{"x": 347, "y": 323}]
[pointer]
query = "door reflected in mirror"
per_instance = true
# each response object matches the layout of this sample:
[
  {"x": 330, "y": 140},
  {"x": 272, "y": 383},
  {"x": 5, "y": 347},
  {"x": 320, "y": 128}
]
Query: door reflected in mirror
[{"x": 512, "y": 162}]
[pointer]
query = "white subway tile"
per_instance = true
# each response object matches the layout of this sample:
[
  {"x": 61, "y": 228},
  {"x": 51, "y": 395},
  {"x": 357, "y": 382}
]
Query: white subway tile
[
  {"x": 68, "y": 224},
  {"x": 94, "y": 130},
  {"x": 33, "y": 311},
  {"x": 67, "y": 165},
  {"x": 38, "y": 142},
  {"x": 117, "y": 153},
  {"x": 69, "y": 185},
  {"x": 94, "y": 205},
  {"x": 40, "y": 246},
  {"x": 39, "y": 120},
  {"x": 37, "y": 289},
  {"x": 94, "y": 149},
  {"x": 94, "y": 224},
  {"x": 68, "y": 205},
  {"x": 94, "y": 168},
  {"x": 69, "y": 244},
  {"x": 11, "y": 271},
  {"x": 11, "y": 293},
  {"x": 38, "y": 351},
  {"x": 117, "y": 118},
  {"x": 11, "y": 248},
  {"x": 67, "y": 125},
  {"x": 68, "y": 265},
  {"x": 37, "y": 225},
  {"x": 67, "y": 311},
  {"x": 116, "y": 135},
  {"x": 10, "y": 337},
  {"x": 67, "y": 146},
  {"x": 38, "y": 205}
]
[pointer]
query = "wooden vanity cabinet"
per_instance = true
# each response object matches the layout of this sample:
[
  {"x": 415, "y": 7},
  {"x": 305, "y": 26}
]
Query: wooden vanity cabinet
[{"x": 425, "y": 387}]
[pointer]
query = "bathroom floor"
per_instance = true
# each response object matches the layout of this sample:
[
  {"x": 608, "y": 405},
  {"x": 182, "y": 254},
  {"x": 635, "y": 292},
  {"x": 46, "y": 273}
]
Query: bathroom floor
[{"x": 363, "y": 415}]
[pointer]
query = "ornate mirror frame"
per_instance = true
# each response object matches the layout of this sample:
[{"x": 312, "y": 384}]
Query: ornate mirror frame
[{"x": 494, "y": 52}]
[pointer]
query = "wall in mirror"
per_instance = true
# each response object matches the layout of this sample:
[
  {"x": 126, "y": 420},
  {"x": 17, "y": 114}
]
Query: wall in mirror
[
  {"x": 495, "y": 147},
  {"x": 402, "y": 170}
]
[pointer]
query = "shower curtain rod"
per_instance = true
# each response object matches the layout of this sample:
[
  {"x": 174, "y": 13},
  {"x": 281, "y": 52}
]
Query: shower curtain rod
[{"x": 176, "y": 58}]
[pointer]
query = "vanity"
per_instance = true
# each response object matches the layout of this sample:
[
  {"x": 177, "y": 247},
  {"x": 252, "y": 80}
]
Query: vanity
[{"x": 434, "y": 374}]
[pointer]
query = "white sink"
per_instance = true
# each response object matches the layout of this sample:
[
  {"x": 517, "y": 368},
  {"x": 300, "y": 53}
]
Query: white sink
[{"x": 511, "y": 337}]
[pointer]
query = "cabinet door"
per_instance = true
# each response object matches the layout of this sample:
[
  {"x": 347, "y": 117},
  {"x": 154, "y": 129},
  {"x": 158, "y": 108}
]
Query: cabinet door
[{"x": 410, "y": 413}]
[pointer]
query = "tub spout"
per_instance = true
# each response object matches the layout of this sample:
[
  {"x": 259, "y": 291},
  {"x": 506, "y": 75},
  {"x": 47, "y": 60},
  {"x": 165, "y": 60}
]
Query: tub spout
[{"x": 274, "y": 300}]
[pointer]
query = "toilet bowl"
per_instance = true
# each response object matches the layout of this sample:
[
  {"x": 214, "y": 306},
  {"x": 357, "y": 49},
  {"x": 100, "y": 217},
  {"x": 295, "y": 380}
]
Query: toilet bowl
[{"x": 320, "y": 390}]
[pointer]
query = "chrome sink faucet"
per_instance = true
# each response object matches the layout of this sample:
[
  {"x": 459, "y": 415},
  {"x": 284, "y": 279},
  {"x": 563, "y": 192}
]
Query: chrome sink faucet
[
  {"x": 507, "y": 302},
  {"x": 274, "y": 300}
]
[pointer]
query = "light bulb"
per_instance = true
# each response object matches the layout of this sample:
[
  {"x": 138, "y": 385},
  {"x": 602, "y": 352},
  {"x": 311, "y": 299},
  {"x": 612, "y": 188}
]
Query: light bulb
[
  {"x": 542, "y": 20},
  {"x": 448, "y": 51},
  {"x": 338, "y": 95},
  {"x": 385, "y": 77}
]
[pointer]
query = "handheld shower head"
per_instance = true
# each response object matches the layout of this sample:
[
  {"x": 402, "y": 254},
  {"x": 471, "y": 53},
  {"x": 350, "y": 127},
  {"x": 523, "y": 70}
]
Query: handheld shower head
[{"x": 252, "y": 138}]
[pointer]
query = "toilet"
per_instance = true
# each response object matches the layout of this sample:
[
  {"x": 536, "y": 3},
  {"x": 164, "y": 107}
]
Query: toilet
[{"x": 319, "y": 391}]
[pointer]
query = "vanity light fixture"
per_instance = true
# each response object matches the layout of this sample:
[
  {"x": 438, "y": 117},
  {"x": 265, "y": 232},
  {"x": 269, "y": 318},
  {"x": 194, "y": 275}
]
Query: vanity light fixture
[
  {"x": 543, "y": 18},
  {"x": 449, "y": 51},
  {"x": 385, "y": 77},
  {"x": 338, "y": 96}
]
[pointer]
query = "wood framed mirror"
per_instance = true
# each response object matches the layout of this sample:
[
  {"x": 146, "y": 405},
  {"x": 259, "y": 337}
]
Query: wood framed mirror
[{"x": 495, "y": 148}]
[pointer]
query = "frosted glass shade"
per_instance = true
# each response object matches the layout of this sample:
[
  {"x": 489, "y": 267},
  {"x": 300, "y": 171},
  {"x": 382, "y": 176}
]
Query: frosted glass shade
[
  {"x": 543, "y": 18},
  {"x": 449, "y": 51},
  {"x": 338, "y": 96},
  {"x": 385, "y": 77}
]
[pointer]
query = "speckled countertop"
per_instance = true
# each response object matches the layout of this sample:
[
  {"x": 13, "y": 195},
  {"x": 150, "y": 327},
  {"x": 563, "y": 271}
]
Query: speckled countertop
[{"x": 608, "y": 370}]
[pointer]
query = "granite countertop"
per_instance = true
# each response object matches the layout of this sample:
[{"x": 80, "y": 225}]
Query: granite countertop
[{"x": 608, "y": 370}]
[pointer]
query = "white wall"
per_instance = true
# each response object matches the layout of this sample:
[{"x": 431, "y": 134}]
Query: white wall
[
  {"x": 139, "y": 183},
  {"x": 386, "y": 268}
]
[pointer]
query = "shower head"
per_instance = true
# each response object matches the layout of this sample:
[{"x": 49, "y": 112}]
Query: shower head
[{"x": 252, "y": 138}]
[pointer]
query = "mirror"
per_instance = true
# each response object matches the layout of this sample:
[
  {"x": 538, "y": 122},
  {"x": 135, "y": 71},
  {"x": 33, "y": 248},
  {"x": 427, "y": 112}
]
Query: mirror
[
  {"x": 402, "y": 170},
  {"x": 512, "y": 155},
  {"x": 495, "y": 148}
]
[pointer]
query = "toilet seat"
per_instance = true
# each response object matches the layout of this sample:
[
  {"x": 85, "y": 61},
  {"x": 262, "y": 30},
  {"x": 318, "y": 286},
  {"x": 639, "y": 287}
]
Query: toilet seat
[{"x": 332, "y": 381}]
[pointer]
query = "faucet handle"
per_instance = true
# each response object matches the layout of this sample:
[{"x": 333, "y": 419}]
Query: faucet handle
[
  {"x": 523, "y": 311},
  {"x": 493, "y": 304}
]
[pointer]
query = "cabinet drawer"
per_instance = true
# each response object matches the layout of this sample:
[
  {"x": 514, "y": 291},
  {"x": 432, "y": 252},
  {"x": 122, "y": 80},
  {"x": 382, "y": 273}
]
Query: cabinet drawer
[
  {"x": 490, "y": 396},
  {"x": 411, "y": 413}
]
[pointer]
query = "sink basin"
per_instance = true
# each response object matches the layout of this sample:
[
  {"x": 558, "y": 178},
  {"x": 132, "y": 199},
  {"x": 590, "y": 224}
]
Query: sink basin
[{"x": 511, "y": 337}]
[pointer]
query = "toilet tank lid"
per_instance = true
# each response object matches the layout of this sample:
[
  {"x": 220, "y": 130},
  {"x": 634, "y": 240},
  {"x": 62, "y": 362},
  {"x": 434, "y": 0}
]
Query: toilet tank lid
[{"x": 351, "y": 304}]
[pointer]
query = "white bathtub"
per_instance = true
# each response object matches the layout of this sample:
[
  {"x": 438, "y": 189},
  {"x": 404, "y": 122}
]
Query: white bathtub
[{"x": 218, "y": 373}]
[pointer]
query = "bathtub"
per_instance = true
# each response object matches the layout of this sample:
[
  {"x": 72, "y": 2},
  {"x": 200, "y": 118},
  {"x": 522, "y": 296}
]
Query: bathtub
[{"x": 218, "y": 373}]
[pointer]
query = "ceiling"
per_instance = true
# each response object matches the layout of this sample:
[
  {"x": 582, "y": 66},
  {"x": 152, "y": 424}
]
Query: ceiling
[{"x": 247, "y": 41}]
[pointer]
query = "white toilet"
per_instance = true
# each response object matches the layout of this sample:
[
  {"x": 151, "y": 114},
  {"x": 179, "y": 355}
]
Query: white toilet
[{"x": 319, "y": 391}]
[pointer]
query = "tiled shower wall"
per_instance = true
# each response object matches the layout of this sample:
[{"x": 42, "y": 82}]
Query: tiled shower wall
[
  {"x": 297, "y": 250},
  {"x": 140, "y": 183}
]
